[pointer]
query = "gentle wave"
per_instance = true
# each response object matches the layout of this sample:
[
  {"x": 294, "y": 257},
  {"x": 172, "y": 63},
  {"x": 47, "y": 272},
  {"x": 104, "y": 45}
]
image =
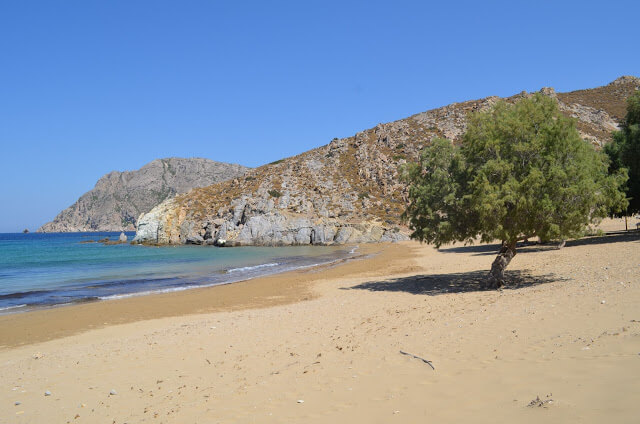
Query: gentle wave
[
  {"x": 12, "y": 307},
  {"x": 251, "y": 268},
  {"x": 19, "y": 295},
  {"x": 144, "y": 293},
  {"x": 244, "y": 274},
  {"x": 221, "y": 283}
]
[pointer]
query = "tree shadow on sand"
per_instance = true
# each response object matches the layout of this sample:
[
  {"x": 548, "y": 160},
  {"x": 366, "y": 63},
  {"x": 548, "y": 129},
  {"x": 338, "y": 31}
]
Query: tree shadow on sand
[
  {"x": 461, "y": 282},
  {"x": 476, "y": 249},
  {"x": 474, "y": 281},
  {"x": 493, "y": 249}
]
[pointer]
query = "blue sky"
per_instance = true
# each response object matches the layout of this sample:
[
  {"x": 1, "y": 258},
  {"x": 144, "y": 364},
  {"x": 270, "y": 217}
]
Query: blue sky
[{"x": 87, "y": 87}]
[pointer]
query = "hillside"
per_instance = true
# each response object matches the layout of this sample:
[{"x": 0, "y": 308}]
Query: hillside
[
  {"x": 347, "y": 191},
  {"x": 118, "y": 198}
]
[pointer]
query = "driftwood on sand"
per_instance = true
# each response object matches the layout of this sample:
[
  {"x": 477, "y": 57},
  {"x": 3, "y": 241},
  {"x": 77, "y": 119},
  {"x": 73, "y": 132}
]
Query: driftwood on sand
[{"x": 417, "y": 357}]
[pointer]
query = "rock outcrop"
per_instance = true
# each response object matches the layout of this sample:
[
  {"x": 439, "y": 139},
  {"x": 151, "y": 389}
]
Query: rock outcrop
[
  {"x": 349, "y": 190},
  {"x": 119, "y": 198}
]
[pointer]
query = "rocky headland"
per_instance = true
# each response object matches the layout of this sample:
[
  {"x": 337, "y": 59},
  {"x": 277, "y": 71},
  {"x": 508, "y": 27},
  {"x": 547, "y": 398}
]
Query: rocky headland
[
  {"x": 349, "y": 190},
  {"x": 118, "y": 198}
]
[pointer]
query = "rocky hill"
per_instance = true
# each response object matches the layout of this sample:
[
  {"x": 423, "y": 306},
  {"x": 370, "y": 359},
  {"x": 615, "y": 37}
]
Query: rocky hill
[
  {"x": 348, "y": 190},
  {"x": 118, "y": 198}
]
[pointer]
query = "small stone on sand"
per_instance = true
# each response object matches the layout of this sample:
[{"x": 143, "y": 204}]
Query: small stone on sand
[
  {"x": 17, "y": 403},
  {"x": 113, "y": 392},
  {"x": 300, "y": 401},
  {"x": 47, "y": 393}
]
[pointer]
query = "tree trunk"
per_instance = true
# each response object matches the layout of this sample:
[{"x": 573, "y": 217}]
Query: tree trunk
[{"x": 496, "y": 275}]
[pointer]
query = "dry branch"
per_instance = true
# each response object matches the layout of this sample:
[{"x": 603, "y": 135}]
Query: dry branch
[{"x": 417, "y": 357}]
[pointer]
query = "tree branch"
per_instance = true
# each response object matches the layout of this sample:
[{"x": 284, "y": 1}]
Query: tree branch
[{"x": 417, "y": 357}]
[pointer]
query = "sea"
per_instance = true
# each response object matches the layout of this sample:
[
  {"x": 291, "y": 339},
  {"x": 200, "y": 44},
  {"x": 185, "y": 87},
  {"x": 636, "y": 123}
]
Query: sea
[{"x": 42, "y": 270}]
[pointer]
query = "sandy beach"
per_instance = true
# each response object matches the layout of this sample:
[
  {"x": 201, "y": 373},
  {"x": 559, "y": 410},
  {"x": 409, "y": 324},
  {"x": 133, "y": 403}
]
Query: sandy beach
[{"x": 324, "y": 344}]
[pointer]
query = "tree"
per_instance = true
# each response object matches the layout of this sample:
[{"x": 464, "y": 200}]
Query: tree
[
  {"x": 522, "y": 171},
  {"x": 624, "y": 152}
]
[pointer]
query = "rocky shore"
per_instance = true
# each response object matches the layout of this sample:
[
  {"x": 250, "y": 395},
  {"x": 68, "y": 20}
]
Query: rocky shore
[{"x": 247, "y": 226}]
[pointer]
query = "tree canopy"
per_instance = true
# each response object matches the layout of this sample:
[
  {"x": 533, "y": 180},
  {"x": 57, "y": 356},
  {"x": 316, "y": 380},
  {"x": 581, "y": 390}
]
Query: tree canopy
[
  {"x": 521, "y": 171},
  {"x": 624, "y": 152}
]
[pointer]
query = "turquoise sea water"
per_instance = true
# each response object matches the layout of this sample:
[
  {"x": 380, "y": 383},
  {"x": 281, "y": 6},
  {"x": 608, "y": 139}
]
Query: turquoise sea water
[{"x": 41, "y": 270}]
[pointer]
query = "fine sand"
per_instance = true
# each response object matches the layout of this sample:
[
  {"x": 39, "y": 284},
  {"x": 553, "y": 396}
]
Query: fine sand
[{"x": 323, "y": 345}]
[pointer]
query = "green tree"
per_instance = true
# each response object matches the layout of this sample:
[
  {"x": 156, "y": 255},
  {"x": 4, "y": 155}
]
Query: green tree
[
  {"x": 624, "y": 152},
  {"x": 522, "y": 171}
]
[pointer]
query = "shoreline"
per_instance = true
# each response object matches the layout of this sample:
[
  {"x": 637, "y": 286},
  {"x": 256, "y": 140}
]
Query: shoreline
[
  {"x": 82, "y": 274},
  {"x": 324, "y": 344},
  {"x": 38, "y": 325},
  {"x": 49, "y": 323}
]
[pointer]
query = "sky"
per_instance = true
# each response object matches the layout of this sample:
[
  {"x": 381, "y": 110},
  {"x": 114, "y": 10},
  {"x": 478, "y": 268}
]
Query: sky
[{"x": 88, "y": 87}]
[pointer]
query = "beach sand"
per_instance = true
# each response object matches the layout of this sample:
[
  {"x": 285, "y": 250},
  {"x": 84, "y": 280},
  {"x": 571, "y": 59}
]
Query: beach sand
[{"x": 323, "y": 344}]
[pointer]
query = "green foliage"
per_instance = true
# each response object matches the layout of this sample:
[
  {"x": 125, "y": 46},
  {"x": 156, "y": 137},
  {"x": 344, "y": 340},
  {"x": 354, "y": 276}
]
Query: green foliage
[
  {"x": 363, "y": 195},
  {"x": 624, "y": 152},
  {"x": 274, "y": 193},
  {"x": 275, "y": 162},
  {"x": 436, "y": 209},
  {"x": 522, "y": 171}
]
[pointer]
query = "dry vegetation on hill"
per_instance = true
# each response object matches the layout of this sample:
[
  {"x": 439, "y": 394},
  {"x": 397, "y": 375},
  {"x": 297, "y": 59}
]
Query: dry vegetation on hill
[{"x": 348, "y": 190}]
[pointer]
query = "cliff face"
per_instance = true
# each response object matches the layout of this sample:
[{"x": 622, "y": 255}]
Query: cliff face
[
  {"x": 118, "y": 198},
  {"x": 349, "y": 190}
]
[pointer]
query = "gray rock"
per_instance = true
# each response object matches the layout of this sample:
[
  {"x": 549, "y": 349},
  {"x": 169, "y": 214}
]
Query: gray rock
[
  {"x": 323, "y": 234},
  {"x": 119, "y": 198},
  {"x": 549, "y": 91},
  {"x": 47, "y": 393},
  {"x": 590, "y": 115},
  {"x": 195, "y": 239},
  {"x": 152, "y": 226},
  {"x": 343, "y": 235},
  {"x": 626, "y": 79},
  {"x": 393, "y": 236},
  {"x": 303, "y": 236}
]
